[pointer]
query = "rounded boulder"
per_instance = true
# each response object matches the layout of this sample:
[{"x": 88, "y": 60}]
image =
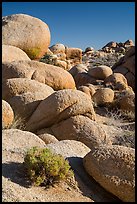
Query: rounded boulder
[
  {"x": 26, "y": 32},
  {"x": 100, "y": 72},
  {"x": 80, "y": 128},
  {"x": 103, "y": 96},
  {"x": 7, "y": 115},
  {"x": 25, "y": 104},
  {"x": 54, "y": 76},
  {"x": 12, "y": 53},
  {"x": 16, "y": 86},
  {"x": 113, "y": 167},
  {"x": 59, "y": 106}
]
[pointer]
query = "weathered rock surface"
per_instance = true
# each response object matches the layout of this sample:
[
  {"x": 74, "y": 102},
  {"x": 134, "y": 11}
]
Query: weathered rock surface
[
  {"x": 12, "y": 53},
  {"x": 89, "y": 89},
  {"x": 16, "y": 86},
  {"x": 57, "y": 48},
  {"x": 25, "y": 104},
  {"x": 127, "y": 63},
  {"x": 103, "y": 96},
  {"x": 48, "y": 138},
  {"x": 113, "y": 167},
  {"x": 18, "y": 141},
  {"x": 54, "y": 76},
  {"x": 79, "y": 128},
  {"x": 100, "y": 72},
  {"x": 127, "y": 102},
  {"x": 28, "y": 33},
  {"x": 7, "y": 115},
  {"x": 114, "y": 78},
  {"x": 60, "y": 106}
]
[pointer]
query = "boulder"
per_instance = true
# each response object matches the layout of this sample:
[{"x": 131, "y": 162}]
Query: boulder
[
  {"x": 130, "y": 52},
  {"x": 127, "y": 62},
  {"x": 129, "y": 43},
  {"x": 69, "y": 149},
  {"x": 7, "y": 115},
  {"x": 54, "y": 76},
  {"x": 57, "y": 48},
  {"x": 89, "y": 49},
  {"x": 60, "y": 106},
  {"x": 114, "y": 78},
  {"x": 12, "y": 53},
  {"x": 79, "y": 128},
  {"x": 130, "y": 64},
  {"x": 103, "y": 96},
  {"x": 100, "y": 72},
  {"x": 61, "y": 64},
  {"x": 48, "y": 138},
  {"x": 84, "y": 78},
  {"x": 113, "y": 167},
  {"x": 130, "y": 79},
  {"x": 19, "y": 141},
  {"x": 121, "y": 86},
  {"x": 110, "y": 45},
  {"x": 72, "y": 53},
  {"x": 26, "y": 32},
  {"x": 121, "y": 69},
  {"x": 17, "y": 86},
  {"x": 17, "y": 69},
  {"x": 25, "y": 104},
  {"x": 73, "y": 56},
  {"x": 127, "y": 103},
  {"x": 79, "y": 68},
  {"x": 89, "y": 89}
]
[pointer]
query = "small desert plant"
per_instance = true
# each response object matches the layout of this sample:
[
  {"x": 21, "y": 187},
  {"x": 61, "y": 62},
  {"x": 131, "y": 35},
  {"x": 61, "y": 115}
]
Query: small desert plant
[
  {"x": 18, "y": 123},
  {"x": 46, "y": 168},
  {"x": 48, "y": 59}
]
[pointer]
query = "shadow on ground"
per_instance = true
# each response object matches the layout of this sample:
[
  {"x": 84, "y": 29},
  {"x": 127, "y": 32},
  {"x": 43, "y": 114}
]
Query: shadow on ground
[{"x": 15, "y": 172}]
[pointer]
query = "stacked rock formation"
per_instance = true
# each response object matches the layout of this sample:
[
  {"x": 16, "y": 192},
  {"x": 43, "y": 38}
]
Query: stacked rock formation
[
  {"x": 63, "y": 56},
  {"x": 57, "y": 104},
  {"x": 126, "y": 66},
  {"x": 117, "y": 47}
]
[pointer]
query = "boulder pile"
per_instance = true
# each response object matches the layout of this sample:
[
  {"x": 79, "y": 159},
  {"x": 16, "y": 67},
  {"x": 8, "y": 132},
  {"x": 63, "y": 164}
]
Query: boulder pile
[{"x": 57, "y": 102}]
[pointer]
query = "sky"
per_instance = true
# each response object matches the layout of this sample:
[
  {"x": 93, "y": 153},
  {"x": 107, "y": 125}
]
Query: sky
[{"x": 81, "y": 24}]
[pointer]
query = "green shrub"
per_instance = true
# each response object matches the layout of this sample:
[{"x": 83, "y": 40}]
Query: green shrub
[
  {"x": 48, "y": 59},
  {"x": 43, "y": 167}
]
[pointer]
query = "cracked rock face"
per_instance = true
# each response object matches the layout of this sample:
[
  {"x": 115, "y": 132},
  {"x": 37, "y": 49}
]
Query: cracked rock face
[
  {"x": 60, "y": 106},
  {"x": 113, "y": 167}
]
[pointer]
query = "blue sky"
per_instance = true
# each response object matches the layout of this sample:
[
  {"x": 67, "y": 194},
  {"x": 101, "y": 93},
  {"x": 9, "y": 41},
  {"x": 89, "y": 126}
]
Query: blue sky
[{"x": 81, "y": 24}]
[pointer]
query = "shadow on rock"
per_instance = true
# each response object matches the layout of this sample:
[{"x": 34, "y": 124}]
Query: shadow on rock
[
  {"x": 16, "y": 173},
  {"x": 87, "y": 185}
]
